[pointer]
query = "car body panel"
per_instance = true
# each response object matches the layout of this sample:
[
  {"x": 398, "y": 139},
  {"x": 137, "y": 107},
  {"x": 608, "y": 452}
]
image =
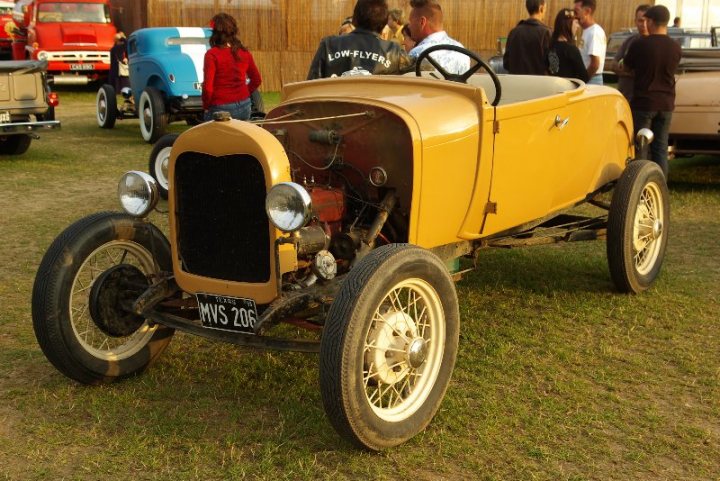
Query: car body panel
[
  {"x": 169, "y": 59},
  {"x": 438, "y": 145},
  {"x": 24, "y": 98},
  {"x": 475, "y": 170},
  {"x": 695, "y": 125}
]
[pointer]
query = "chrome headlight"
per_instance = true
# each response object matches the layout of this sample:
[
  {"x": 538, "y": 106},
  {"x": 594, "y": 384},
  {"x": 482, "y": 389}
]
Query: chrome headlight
[
  {"x": 288, "y": 206},
  {"x": 43, "y": 55},
  {"x": 138, "y": 193}
]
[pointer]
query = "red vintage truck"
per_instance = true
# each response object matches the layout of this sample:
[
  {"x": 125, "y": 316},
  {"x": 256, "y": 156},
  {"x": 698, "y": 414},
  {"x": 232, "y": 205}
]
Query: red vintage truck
[
  {"x": 73, "y": 36},
  {"x": 6, "y": 27}
]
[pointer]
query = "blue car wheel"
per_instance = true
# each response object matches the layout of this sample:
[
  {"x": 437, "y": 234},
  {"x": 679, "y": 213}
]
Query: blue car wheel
[{"x": 153, "y": 118}]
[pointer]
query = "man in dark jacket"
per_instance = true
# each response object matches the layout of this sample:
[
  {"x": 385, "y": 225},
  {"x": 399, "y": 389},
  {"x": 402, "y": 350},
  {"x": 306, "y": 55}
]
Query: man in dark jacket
[
  {"x": 528, "y": 43},
  {"x": 362, "y": 51}
]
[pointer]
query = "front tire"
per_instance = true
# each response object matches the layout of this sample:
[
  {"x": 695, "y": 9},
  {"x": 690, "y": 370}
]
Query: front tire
[
  {"x": 106, "y": 110},
  {"x": 153, "y": 118},
  {"x": 638, "y": 227},
  {"x": 389, "y": 346},
  {"x": 85, "y": 283},
  {"x": 159, "y": 162}
]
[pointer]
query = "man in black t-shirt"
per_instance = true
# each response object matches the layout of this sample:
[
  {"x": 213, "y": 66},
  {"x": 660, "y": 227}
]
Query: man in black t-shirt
[
  {"x": 361, "y": 51},
  {"x": 654, "y": 59},
  {"x": 528, "y": 43}
]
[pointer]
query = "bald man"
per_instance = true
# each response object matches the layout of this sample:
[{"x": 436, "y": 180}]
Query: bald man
[{"x": 426, "y": 28}]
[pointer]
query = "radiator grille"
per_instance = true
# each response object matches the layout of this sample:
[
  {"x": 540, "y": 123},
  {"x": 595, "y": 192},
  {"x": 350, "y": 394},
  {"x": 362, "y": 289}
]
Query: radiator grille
[{"x": 222, "y": 227}]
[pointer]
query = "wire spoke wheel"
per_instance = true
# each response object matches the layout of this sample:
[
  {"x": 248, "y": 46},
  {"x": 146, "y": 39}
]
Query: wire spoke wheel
[
  {"x": 403, "y": 347},
  {"x": 638, "y": 227},
  {"x": 389, "y": 346},
  {"x": 82, "y": 302},
  {"x": 648, "y": 228},
  {"x": 88, "y": 333}
]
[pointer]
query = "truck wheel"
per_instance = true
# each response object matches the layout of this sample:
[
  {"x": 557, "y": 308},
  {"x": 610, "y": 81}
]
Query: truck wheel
[
  {"x": 84, "y": 286},
  {"x": 159, "y": 160},
  {"x": 14, "y": 144},
  {"x": 638, "y": 227},
  {"x": 106, "y": 107},
  {"x": 153, "y": 119},
  {"x": 389, "y": 346}
]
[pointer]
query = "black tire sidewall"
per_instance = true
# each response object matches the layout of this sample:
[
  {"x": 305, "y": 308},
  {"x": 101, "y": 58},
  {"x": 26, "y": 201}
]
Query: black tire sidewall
[
  {"x": 167, "y": 140},
  {"x": 108, "y": 91},
  {"x": 53, "y": 285},
  {"x": 621, "y": 219},
  {"x": 155, "y": 100},
  {"x": 16, "y": 144},
  {"x": 385, "y": 268}
]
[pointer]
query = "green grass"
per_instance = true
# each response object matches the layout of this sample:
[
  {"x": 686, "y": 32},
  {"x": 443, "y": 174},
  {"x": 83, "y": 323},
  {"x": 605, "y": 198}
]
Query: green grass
[{"x": 558, "y": 377}]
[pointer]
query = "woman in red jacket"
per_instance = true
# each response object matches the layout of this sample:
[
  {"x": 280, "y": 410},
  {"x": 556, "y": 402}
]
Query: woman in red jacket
[{"x": 227, "y": 66}]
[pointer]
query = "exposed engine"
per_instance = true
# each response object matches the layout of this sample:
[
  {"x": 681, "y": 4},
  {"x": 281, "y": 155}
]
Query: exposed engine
[{"x": 360, "y": 190}]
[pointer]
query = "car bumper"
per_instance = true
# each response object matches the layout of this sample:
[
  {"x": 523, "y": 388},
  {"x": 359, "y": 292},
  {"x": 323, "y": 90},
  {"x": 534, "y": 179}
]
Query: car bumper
[
  {"x": 190, "y": 104},
  {"x": 16, "y": 128}
]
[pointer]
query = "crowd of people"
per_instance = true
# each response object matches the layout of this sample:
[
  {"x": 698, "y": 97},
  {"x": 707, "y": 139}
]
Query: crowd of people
[{"x": 378, "y": 40}]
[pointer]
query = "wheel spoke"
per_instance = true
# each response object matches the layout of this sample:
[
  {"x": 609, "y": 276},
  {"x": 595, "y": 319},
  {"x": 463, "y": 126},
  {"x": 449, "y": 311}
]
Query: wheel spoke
[{"x": 382, "y": 319}]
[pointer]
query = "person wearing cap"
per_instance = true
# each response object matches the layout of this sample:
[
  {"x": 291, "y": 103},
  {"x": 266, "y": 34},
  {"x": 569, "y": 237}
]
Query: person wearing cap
[{"x": 119, "y": 75}]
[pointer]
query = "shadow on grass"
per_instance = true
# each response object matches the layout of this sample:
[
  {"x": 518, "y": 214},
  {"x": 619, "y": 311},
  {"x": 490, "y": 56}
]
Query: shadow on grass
[
  {"x": 568, "y": 268},
  {"x": 697, "y": 173}
]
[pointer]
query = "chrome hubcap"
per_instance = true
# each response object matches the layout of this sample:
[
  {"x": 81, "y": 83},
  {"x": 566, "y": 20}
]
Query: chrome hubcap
[{"x": 417, "y": 352}]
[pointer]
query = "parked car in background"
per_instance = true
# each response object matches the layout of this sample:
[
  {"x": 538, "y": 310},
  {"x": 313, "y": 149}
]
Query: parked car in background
[
  {"x": 26, "y": 105},
  {"x": 688, "y": 39},
  {"x": 695, "y": 126},
  {"x": 73, "y": 36},
  {"x": 166, "y": 75},
  {"x": 7, "y": 27}
]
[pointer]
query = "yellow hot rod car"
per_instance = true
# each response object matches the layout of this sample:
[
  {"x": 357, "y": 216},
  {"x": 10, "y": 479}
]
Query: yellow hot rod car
[{"x": 344, "y": 213}]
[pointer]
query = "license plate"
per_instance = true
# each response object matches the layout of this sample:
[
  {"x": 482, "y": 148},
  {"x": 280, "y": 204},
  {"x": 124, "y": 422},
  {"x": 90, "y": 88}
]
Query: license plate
[
  {"x": 82, "y": 66},
  {"x": 227, "y": 313},
  {"x": 5, "y": 117}
]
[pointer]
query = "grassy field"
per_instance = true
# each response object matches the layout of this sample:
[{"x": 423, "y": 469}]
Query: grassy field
[{"x": 558, "y": 377}]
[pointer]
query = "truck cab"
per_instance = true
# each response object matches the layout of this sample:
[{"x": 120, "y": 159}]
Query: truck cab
[{"x": 73, "y": 36}]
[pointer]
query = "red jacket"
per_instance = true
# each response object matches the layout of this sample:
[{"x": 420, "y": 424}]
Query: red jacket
[{"x": 224, "y": 76}]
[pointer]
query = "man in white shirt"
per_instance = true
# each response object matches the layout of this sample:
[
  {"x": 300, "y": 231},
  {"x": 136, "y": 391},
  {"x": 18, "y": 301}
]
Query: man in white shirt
[
  {"x": 594, "y": 41},
  {"x": 426, "y": 28}
]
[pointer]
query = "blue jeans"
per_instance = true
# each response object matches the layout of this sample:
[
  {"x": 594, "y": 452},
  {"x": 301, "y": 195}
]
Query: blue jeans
[
  {"x": 596, "y": 79},
  {"x": 659, "y": 123},
  {"x": 238, "y": 110}
]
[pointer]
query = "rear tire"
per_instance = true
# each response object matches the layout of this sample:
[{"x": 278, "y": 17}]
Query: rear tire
[
  {"x": 389, "y": 346},
  {"x": 638, "y": 227},
  {"x": 106, "y": 110},
  {"x": 159, "y": 161},
  {"x": 153, "y": 118},
  {"x": 14, "y": 144},
  {"x": 80, "y": 314}
]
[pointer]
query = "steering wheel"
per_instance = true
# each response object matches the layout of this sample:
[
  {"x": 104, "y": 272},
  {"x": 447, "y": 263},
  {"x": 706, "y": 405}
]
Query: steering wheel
[{"x": 463, "y": 77}]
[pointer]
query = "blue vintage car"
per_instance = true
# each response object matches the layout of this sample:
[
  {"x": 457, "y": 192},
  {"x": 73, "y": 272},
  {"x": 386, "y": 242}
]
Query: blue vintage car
[{"x": 166, "y": 75}]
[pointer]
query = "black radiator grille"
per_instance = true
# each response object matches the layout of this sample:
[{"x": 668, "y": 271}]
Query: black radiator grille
[{"x": 223, "y": 230}]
